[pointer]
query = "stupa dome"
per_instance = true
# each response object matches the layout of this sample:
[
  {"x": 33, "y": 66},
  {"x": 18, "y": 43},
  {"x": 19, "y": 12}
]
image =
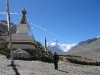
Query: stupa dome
[{"x": 22, "y": 29}]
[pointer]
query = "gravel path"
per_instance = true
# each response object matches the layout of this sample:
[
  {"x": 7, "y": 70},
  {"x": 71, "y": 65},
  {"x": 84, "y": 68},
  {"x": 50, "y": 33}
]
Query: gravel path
[{"x": 41, "y": 68}]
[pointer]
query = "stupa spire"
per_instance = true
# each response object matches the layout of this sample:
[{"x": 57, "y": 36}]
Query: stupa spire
[{"x": 23, "y": 20}]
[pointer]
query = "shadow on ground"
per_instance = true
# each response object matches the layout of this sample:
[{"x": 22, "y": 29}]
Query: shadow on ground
[
  {"x": 63, "y": 71},
  {"x": 15, "y": 69}
]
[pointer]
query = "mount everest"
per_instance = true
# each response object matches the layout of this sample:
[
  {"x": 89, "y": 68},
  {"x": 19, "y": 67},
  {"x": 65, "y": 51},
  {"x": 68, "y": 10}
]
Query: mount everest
[{"x": 60, "y": 48}]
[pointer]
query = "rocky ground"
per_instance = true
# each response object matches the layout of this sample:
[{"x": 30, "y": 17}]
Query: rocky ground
[{"x": 41, "y": 68}]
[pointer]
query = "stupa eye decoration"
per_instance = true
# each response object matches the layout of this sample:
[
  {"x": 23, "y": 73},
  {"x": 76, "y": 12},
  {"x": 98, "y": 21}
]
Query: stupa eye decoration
[{"x": 23, "y": 20}]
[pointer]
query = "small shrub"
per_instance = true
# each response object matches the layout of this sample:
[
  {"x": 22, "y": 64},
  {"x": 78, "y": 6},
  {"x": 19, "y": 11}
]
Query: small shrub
[
  {"x": 61, "y": 59},
  {"x": 81, "y": 60},
  {"x": 45, "y": 59},
  {"x": 3, "y": 51}
]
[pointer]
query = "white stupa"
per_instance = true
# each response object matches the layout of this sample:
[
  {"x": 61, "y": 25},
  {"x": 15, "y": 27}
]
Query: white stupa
[{"x": 21, "y": 39}]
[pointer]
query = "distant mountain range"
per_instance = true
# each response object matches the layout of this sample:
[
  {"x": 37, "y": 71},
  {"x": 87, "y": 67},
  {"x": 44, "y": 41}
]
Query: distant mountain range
[{"x": 89, "y": 48}]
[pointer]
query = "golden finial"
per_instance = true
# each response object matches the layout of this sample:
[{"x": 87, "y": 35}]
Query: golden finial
[{"x": 23, "y": 20}]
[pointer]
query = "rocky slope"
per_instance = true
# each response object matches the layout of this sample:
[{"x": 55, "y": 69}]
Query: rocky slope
[
  {"x": 3, "y": 26},
  {"x": 89, "y": 48}
]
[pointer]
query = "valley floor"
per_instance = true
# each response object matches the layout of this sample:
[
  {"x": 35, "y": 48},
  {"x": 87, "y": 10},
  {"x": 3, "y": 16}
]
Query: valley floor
[{"x": 41, "y": 68}]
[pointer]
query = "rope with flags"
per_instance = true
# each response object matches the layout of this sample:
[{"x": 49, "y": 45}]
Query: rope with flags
[
  {"x": 34, "y": 31},
  {"x": 9, "y": 13}
]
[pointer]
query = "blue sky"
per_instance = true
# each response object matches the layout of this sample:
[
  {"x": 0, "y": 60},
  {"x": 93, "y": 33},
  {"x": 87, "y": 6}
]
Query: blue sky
[{"x": 73, "y": 20}]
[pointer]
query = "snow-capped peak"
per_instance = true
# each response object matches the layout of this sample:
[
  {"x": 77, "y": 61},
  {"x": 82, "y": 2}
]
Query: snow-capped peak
[
  {"x": 53, "y": 43},
  {"x": 98, "y": 37},
  {"x": 58, "y": 46}
]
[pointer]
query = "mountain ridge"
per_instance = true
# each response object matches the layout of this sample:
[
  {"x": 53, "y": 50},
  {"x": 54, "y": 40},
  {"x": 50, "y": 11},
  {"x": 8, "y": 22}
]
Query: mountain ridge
[{"x": 89, "y": 48}]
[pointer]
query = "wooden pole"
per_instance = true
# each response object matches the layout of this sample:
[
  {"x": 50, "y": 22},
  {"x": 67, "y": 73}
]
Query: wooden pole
[{"x": 9, "y": 32}]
